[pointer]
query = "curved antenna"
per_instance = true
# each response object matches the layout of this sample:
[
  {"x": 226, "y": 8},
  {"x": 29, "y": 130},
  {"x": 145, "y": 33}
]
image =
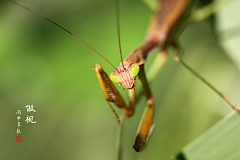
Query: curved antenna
[
  {"x": 118, "y": 29},
  {"x": 64, "y": 30}
]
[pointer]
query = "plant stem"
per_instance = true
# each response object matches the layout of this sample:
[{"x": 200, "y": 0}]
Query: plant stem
[{"x": 120, "y": 137}]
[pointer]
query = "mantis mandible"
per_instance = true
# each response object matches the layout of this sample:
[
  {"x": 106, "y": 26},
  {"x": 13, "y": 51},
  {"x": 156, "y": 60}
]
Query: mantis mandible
[{"x": 157, "y": 38}]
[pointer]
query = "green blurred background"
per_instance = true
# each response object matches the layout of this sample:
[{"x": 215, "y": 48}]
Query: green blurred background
[{"x": 42, "y": 65}]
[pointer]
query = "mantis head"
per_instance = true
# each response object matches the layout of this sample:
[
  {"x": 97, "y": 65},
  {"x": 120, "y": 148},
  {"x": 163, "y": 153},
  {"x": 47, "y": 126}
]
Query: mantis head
[{"x": 125, "y": 75}]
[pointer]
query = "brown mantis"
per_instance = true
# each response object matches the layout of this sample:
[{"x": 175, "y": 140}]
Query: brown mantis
[
  {"x": 158, "y": 36},
  {"x": 161, "y": 26},
  {"x": 144, "y": 134}
]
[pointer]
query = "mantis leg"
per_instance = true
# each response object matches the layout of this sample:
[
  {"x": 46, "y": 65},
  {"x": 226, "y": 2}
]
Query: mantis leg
[
  {"x": 224, "y": 97},
  {"x": 145, "y": 127},
  {"x": 111, "y": 94},
  {"x": 155, "y": 68},
  {"x": 178, "y": 59}
]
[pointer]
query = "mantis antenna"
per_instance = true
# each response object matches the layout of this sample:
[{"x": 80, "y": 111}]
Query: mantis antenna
[
  {"x": 64, "y": 30},
  {"x": 118, "y": 29}
]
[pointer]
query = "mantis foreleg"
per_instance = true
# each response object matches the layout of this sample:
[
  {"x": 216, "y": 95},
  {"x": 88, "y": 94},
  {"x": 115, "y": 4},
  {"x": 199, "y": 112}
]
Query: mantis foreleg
[
  {"x": 111, "y": 94},
  {"x": 144, "y": 129}
]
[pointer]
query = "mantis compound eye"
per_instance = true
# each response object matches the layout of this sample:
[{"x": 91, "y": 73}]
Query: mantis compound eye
[
  {"x": 114, "y": 77},
  {"x": 134, "y": 69}
]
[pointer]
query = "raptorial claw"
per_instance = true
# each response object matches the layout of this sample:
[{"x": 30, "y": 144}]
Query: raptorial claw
[{"x": 141, "y": 142}]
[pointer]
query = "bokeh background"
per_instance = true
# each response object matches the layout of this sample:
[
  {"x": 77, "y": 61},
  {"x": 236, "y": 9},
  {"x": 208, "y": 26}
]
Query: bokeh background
[{"x": 42, "y": 65}]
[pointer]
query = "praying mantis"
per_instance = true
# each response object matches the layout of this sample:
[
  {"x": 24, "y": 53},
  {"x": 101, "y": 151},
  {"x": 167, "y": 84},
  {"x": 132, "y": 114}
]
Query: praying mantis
[
  {"x": 159, "y": 35},
  {"x": 141, "y": 147}
]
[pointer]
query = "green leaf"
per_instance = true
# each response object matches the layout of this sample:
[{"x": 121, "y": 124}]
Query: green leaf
[
  {"x": 219, "y": 142},
  {"x": 227, "y": 25}
]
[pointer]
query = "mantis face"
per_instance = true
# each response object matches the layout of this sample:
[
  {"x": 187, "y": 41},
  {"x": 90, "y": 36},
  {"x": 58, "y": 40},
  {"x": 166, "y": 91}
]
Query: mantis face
[{"x": 125, "y": 76}]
